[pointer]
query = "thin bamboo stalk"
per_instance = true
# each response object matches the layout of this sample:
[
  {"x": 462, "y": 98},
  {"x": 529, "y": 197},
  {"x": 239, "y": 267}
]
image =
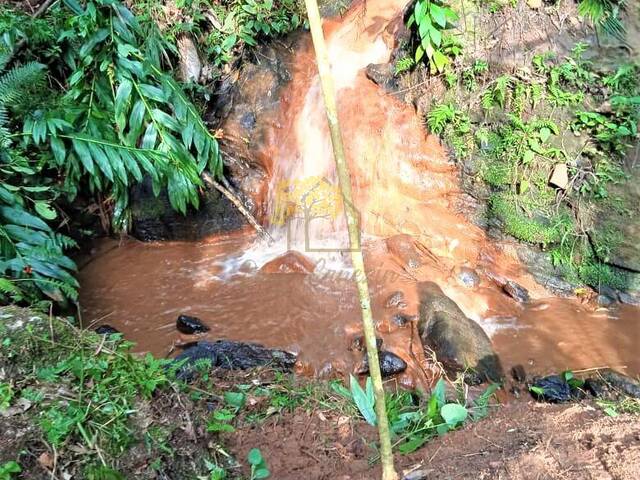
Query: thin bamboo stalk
[{"x": 353, "y": 225}]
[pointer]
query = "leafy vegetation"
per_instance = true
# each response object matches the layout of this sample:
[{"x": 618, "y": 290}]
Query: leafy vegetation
[
  {"x": 605, "y": 15},
  {"x": 89, "y": 107},
  {"x": 430, "y": 20},
  {"x": 413, "y": 423},
  {"x": 519, "y": 146}
]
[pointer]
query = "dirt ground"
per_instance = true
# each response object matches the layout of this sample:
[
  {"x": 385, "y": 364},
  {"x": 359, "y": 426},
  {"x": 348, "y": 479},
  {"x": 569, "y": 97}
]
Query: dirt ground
[{"x": 519, "y": 441}]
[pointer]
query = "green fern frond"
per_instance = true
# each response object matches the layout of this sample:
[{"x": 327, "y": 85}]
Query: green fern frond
[
  {"x": 15, "y": 82},
  {"x": 5, "y": 138},
  {"x": 439, "y": 116}
]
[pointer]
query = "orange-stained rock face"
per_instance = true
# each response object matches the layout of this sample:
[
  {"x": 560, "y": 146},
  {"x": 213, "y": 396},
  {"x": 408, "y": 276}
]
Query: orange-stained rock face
[{"x": 290, "y": 262}]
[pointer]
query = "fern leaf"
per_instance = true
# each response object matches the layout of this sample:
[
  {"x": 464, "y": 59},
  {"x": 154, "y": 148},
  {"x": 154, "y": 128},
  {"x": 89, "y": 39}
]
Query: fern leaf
[{"x": 14, "y": 83}]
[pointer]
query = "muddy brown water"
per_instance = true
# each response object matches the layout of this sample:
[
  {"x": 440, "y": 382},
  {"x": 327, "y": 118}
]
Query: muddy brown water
[
  {"x": 403, "y": 183},
  {"x": 141, "y": 288}
]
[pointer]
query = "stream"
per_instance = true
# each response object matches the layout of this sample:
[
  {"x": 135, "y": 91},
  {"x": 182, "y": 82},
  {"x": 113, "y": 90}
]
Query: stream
[{"x": 407, "y": 192}]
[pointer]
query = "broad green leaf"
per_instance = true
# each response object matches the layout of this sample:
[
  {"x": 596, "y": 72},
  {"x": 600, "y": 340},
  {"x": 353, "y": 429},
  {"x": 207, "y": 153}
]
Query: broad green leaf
[
  {"x": 545, "y": 133},
  {"x": 440, "y": 60},
  {"x": 165, "y": 120},
  {"x": 255, "y": 457},
  {"x": 528, "y": 157},
  {"x": 364, "y": 403},
  {"x": 19, "y": 216},
  {"x": 136, "y": 118},
  {"x": 45, "y": 210},
  {"x": 97, "y": 37},
  {"x": 123, "y": 95},
  {"x": 436, "y": 36},
  {"x": 261, "y": 473},
  {"x": 413, "y": 444},
  {"x": 153, "y": 92},
  {"x": 187, "y": 134},
  {"x": 84, "y": 154},
  {"x": 235, "y": 399},
  {"x": 59, "y": 150},
  {"x": 438, "y": 14},
  {"x": 453, "y": 413},
  {"x": 101, "y": 159},
  {"x": 419, "y": 53},
  {"x": 150, "y": 136}
]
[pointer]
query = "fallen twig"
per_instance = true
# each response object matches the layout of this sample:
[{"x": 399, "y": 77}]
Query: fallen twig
[{"x": 208, "y": 179}]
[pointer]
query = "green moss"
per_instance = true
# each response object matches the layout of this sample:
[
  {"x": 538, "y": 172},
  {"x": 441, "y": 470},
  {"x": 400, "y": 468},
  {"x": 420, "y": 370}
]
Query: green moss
[{"x": 533, "y": 229}]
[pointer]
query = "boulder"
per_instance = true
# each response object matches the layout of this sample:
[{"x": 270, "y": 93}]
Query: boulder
[
  {"x": 458, "y": 342},
  {"x": 233, "y": 355},
  {"x": 190, "y": 325},
  {"x": 153, "y": 218},
  {"x": 290, "y": 262},
  {"x": 390, "y": 364}
]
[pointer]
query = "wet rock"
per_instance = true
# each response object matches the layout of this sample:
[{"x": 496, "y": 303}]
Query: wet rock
[
  {"x": 358, "y": 344},
  {"x": 233, "y": 355},
  {"x": 629, "y": 298},
  {"x": 190, "y": 325},
  {"x": 611, "y": 385},
  {"x": 518, "y": 373},
  {"x": 604, "y": 300},
  {"x": 106, "y": 330},
  {"x": 458, "y": 342},
  {"x": 515, "y": 291},
  {"x": 403, "y": 247},
  {"x": 468, "y": 277},
  {"x": 290, "y": 262},
  {"x": 390, "y": 364},
  {"x": 545, "y": 273},
  {"x": 395, "y": 300},
  {"x": 153, "y": 218},
  {"x": 552, "y": 389},
  {"x": 383, "y": 75},
  {"x": 401, "y": 319}
]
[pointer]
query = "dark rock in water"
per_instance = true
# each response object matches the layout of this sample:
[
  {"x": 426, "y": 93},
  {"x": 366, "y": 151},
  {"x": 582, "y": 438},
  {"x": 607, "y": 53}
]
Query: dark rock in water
[
  {"x": 390, "y": 364},
  {"x": 106, "y": 330},
  {"x": 401, "y": 319},
  {"x": 290, "y": 262},
  {"x": 629, "y": 298},
  {"x": 190, "y": 325},
  {"x": 518, "y": 373},
  {"x": 395, "y": 300},
  {"x": 553, "y": 389},
  {"x": 358, "y": 344},
  {"x": 152, "y": 217},
  {"x": 234, "y": 356},
  {"x": 403, "y": 247},
  {"x": 382, "y": 74},
  {"x": 458, "y": 342},
  {"x": 611, "y": 385},
  {"x": 516, "y": 291}
]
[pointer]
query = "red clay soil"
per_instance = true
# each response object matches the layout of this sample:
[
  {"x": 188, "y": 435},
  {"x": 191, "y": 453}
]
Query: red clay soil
[{"x": 522, "y": 440}]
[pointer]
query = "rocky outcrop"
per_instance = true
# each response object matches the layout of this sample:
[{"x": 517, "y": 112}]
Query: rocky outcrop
[
  {"x": 234, "y": 356},
  {"x": 458, "y": 342},
  {"x": 153, "y": 218},
  {"x": 390, "y": 364}
]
